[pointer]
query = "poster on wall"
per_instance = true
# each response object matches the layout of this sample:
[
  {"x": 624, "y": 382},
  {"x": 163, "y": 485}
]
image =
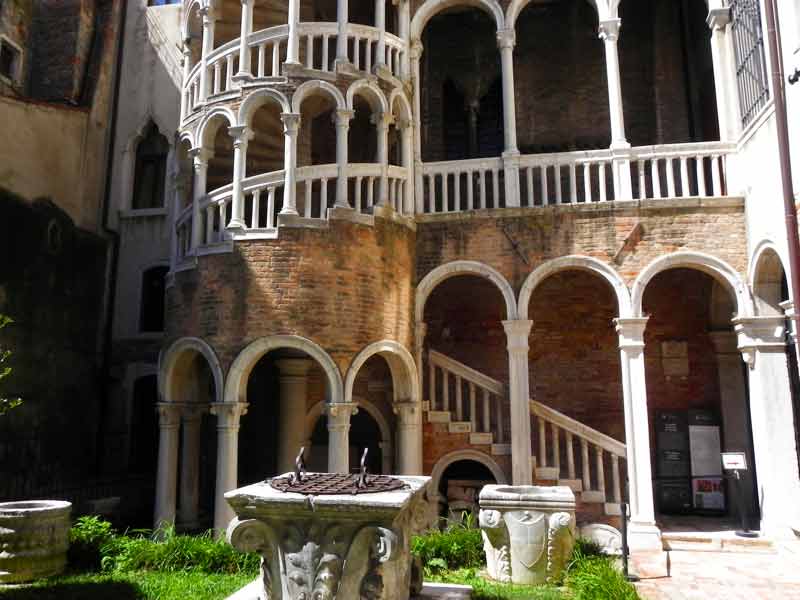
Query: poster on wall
[
  {"x": 707, "y": 493},
  {"x": 704, "y": 443}
]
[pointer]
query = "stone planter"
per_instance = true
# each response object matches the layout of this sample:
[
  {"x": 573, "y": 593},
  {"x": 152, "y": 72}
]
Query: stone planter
[
  {"x": 34, "y": 538},
  {"x": 528, "y": 532}
]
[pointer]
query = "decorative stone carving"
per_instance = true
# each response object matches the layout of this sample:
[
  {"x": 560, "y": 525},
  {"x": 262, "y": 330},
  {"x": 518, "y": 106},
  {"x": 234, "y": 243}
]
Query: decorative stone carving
[
  {"x": 34, "y": 538},
  {"x": 528, "y": 532},
  {"x": 332, "y": 546},
  {"x": 608, "y": 538}
]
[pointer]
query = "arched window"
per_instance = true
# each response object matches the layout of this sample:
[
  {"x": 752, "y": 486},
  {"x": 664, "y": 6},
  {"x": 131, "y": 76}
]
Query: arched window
[
  {"x": 151, "y": 170},
  {"x": 151, "y": 318}
]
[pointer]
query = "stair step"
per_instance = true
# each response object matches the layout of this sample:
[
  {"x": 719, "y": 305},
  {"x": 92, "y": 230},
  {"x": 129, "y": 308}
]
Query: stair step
[
  {"x": 721, "y": 541},
  {"x": 438, "y": 416},
  {"x": 501, "y": 449},
  {"x": 613, "y": 509},
  {"x": 593, "y": 496},
  {"x": 547, "y": 473},
  {"x": 481, "y": 439},
  {"x": 576, "y": 485},
  {"x": 459, "y": 427}
]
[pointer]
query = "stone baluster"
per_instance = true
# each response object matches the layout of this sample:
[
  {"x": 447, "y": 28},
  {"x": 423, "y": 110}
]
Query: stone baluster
[
  {"x": 339, "y": 436},
  {"x": 459, "y": 400},
  {"x": 517, "y": 333},
  {"x": 570, "y": 456},
  {"x": 241, "y": 136},
  {"x": 487, "y": 412},
  {"x": 556, "y": 449},
  {"x": 209, "y": 22},
  {"x": 244, "y": 73},
  {"x": 585, "y": 472},
  {"x": 342, "y": 119},
  {"x": 445, "y": 389},
  {"x": 615, "y": 478},
  {"x": 473, "y": 416},
  {"x": 167, "y": 474},
  {"x": 409, "y": 437},
  {"x": 186, "y": 63},
  {"x": 341, "y": 41},
  {"x": 228, "y": 417},
  {"x": 293, "y": 381},
  {"x": 542, "y": 458},
  {"x": 189, "y": 504},
  {"x": 415, "y": 53},
  {"x": 291, "y": 126}
]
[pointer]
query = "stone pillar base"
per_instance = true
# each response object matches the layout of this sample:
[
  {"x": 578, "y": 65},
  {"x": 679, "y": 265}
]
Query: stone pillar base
[{"x": 643, "y": 537}]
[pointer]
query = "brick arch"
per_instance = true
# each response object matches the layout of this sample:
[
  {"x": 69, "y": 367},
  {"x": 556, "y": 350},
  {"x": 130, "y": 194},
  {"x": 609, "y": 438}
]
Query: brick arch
[
  {"x": 171, "y": 360},
  {"x": 459, "y": 455},
  {"x": 463, "y": 267},
  {"x": 715, "y": 267},
  {"x": 432, "y": 7},
  {"x": 239, "y": 373},
  {"x": 572, "y": 263}
]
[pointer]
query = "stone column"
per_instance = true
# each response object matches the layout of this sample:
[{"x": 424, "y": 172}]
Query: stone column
[
  {"x": 291, "y": 125},
  {"x": 404, "y": 27},
  {"x": 209, "y": 22},
  {"x": 762, "y": 343},
  {"x": 342, "y": 130},
  {"x": 382, "y": 123},
  {"x": 644, "y": 535},
  {"x": 167, "y": 475},
  {"x": 420, "y": 330},
  {"x": 341, "y": 40},
  {"x": 293, "y": 48},
  {"x": 241, "y": 136},
  {"x": 244, "y": 73},
  {"x": 724, "y": 73},
  {"x": 189, "y": 504},
  {"x": 409, "y": 437},
  {"x": 517, "y": 333},
  {"x": 407, "y": 135},
  {"x": 293, "y": 401},
  {"x": 228, "y": 417},
  {"x": 200, "y": 156},
  {"x": 339, "y": 436},
  {"x": 380, "y": 25},
  {"x": 506, "y": 40},
  {"x": 186, "y": 63},
  {"x": 733, "y": 400},
  {"x": 415, "y": 53}
]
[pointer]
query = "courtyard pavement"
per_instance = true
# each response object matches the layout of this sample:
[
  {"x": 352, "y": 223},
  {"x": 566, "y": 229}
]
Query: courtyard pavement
[{"x": 769, "y": 574}]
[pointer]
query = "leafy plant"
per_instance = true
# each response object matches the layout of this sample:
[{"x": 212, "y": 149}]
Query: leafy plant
[
  {"x": 87, "y": 538},
  {"x": 459, "y": 545},
  {"x": 6, "y": 404},
  {"x": 592, "y": 576}
]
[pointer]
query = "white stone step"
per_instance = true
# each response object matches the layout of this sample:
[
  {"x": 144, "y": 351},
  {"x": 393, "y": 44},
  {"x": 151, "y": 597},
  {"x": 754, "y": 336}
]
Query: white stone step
[
  {"x": 593, "y": 497},
  {"x": 439, "y": 416},
  {"x": 481, "y": 439},
  {"x": 576, "y": 485},
  {"x": 612, "y": 509},
  {"x": 501, "y": 449},
  {"x": 550, "y": 473},
  {"x": 459, "y": 427}
]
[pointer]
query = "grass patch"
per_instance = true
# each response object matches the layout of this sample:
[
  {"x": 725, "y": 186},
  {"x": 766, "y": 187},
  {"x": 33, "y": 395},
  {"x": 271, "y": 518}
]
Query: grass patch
[
  {"x": 483, "y": 589},
  {"x": 140, "y": 585}
]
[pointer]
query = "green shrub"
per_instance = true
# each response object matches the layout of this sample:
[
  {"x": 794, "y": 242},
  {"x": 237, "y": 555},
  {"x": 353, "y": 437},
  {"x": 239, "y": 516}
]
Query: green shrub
[
  {"x": 593, "y": 576},
  {"x": 86, "y": 541},
  {"x": 457, "y": 546}
]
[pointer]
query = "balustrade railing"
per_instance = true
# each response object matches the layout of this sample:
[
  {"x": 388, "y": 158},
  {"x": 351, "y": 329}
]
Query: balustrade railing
[
  {"x": 269, "y": 47},
  {"x": 222, "y": 65},
  {"x": 567, "y": 177},
  {"x": 183, "y": 234},
  {"x": 455, "y": 186}
]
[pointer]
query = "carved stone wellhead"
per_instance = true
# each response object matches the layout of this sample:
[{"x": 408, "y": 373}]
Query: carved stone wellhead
[
  {"x": 528, "y": 532},
  {"x": 322, "y": 547}
]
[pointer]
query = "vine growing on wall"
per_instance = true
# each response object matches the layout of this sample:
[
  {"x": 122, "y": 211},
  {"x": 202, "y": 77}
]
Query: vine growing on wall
[{"x": 6, "y": 404}]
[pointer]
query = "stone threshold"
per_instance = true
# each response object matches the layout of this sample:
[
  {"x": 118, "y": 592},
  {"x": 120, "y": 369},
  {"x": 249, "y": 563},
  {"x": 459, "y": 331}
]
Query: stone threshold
[{"x": 714, "y": 541}]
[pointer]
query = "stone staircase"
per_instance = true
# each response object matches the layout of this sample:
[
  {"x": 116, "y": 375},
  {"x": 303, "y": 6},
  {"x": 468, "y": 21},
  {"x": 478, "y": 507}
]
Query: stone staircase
[{"x": 566, "y": 452}]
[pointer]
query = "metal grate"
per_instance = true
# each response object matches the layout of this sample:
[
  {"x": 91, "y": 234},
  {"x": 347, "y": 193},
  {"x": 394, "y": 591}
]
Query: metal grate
[{"x": 751, "y": 66}]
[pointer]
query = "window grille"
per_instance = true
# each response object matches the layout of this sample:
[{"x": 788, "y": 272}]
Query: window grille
[{"x": 751, "y": 66}]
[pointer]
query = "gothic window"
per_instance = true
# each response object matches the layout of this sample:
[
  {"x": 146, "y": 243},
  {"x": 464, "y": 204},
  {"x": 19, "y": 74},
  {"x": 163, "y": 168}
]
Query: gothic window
[
  {"x": 751, "y": 66},
  {"x": 151, "y": 170},
  {"x": 152, "y": 301}
]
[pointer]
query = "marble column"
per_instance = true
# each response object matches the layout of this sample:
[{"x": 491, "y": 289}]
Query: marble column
[
  {"x": 339, "y": 436},
  {"x": 404, "y": 20},
  {"x": 189, "y": 499},
  {"x": 643, "y": 533},
  {"x": 200, "y": 157},
  {"x": 186, "y": 63},
  {"x": 292, "y": 414},
  {"x": 341, "y": 40},
  {"x": 291, "y": 126},
  {"x": 517, "y": 333},
  {"x": 241, "y": 136},
  {"x": 506, "y": 40},
  {"x": 407, "y": 135},
  {"x": 209, "y": 22},
  {"x": 420, "y": 331},
  {"x": 415, "y": 54},
  {"x": 167, "y": 474},
  {"x": 718, "y": 21},
  {"x": 245, "y": 73},
  {"x": 382, "y": 123},
  {"x": 293, "y": 48},
  {"x": 733, "y": 400},
  {"x": 380, "y": 25},
  {"x": 228, "y": 416},
  {"x": 409, "y": 437},
  {"x": 762, "y": 343},
  {"x": 342, "y": 120}
]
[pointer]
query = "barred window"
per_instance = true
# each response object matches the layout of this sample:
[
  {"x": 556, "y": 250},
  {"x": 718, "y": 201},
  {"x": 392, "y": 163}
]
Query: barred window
[{"x": 751, "y": 66}]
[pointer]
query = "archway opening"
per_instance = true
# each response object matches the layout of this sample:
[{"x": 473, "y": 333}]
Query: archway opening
[
  {"x": 194, "y": 33},
  {"x": 697, "y": 396},
  {"x": 362, "y": 149},
  {"x": 265, "y": 154},
  {"x": 316, "y": 146},
  {"x": 770, "y": 287},
  {"x": 459, "y": 488}
]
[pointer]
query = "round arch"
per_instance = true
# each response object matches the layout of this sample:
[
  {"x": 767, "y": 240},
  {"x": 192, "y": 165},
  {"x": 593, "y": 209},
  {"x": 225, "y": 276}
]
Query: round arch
[
  {"x": 186, "y": 137},
  {"x": 516, "y": 7},
  {"x": 239, "y": 373},
  {"x": 370, "y": 91},
  {"x": 575, "y": 263},
  {"x": 716, "y": 268},
  {"x": 172, "y": 358},
  {"x": 432, "y": 7},
  {"x": 187, "y": 14},
  {"x": 761, "y": 249},
  {"x": 458, "y": 455},
  {"x": 405, "y": 380},
  {"x": 766, "y": 271},
  {"x": 315, "y": 86},
  {"x": 207, "y": 128},
  {"x": 258, "y": 99},
  {"x": 463, "y": 267},
  {"x": 316, "y": 411},
  {"x": 398, "y": 96}
]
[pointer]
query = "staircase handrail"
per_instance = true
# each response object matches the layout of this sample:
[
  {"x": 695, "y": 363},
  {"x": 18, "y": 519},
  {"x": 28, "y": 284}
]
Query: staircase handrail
[
  {"x": 578, "y": 429},
  {"x": 467, "y": 373}
]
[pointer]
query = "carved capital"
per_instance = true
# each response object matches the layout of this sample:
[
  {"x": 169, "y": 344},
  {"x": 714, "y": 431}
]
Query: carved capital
[
  {"x": 416, "y": 49},
  {"x": 759, "y": 334},
  {"x": 382, "y": 120},
  {"x": 291, "y": 123},
  {"x": 506, "y": 38},
  {"x": 169, "y": 415},
  {"x": 631, "y": 333},
  {"x": 342, "y": 117},
  {"x": 339, "y": 414},
  {"x": 718, "y": 18},
  {"x": 192, "y": 413},
  {"x": 407, "y": 413},
  {"x": 228, "y": 414},
  {"x": 241, "y": 134},
  {"x": 201, "y": 156},
  {"x": 517, "y": 332},
  {"x": 609, "y": 30}
]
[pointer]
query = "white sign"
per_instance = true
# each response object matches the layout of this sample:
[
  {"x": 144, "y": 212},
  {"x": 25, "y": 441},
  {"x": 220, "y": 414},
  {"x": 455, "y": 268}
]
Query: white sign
[
  {"x": 734, "y": 461},
  {"x": 704, "y": 445}
]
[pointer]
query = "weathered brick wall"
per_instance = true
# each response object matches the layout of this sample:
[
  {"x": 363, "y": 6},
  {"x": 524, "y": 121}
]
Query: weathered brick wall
[
  {"x": 344, "y": 288},
  {"x": 437, "y": 442}
]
